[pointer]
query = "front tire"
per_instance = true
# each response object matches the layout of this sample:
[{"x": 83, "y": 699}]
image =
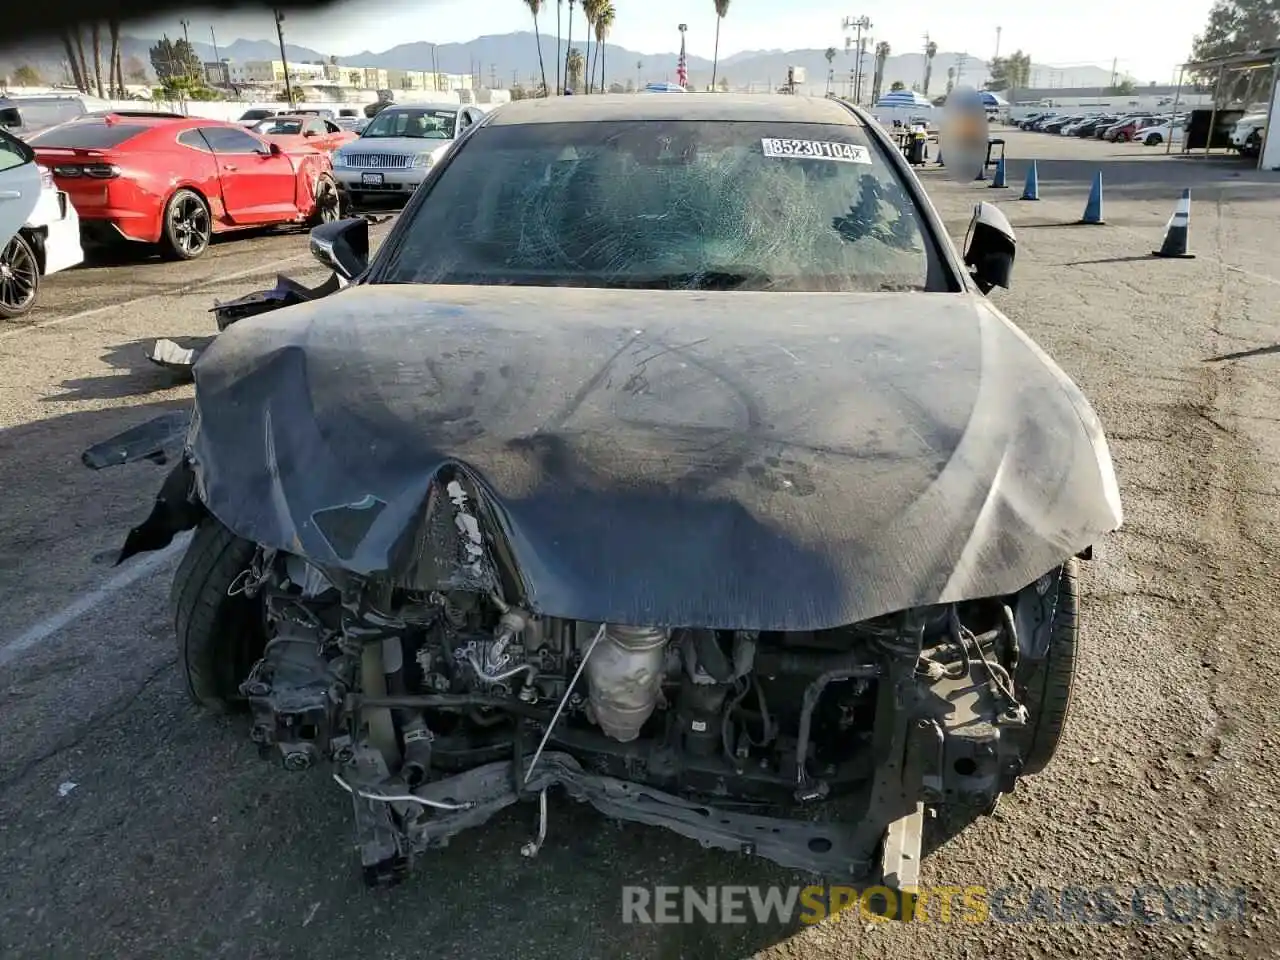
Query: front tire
[
  {"x": 1153, "y": 141},
  {"x": 187, "y": 227},
  {"x": 219, "y": 637},
  {"x": 1047, "y": 685},
  {"x": 19, "y": 277},
  {"x": 328, "y": 201}
]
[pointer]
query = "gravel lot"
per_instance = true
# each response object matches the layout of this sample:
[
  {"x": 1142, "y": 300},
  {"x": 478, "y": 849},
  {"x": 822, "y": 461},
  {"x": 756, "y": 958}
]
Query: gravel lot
[{"x": 177, "y": 841}]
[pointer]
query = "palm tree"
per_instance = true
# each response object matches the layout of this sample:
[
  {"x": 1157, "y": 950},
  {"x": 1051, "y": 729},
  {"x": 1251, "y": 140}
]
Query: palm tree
[
  {"x": 573, "y": 64},
  {"x": 76, "y": 76},
  {"x": 722, "y": 9},
  {"x": 558, "y": 5},
  {"x": 116, "y": 82},
  {"x": 590, "y": 10},
  {"x": 831, "y": 73},
  {"x": 96, "y": 33},
  {"x": 535, "y": 6},
  {"x": 569, "y": 45},
  {"x": 604, "y": 23},
  {"x": 882, "y": 54},
  {"x": 930, "y": 51}
]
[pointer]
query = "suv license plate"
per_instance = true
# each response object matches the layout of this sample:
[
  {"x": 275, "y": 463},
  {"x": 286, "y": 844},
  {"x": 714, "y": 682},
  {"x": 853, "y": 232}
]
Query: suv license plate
[{"x": 373, "y": 179}]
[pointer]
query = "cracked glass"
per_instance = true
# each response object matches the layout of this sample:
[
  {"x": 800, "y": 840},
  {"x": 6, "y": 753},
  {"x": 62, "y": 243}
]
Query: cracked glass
[{"x": 669, "y": 205}]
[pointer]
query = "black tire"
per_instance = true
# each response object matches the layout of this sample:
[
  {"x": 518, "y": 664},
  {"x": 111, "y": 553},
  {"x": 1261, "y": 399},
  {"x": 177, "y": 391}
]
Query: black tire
[
  {"x": 354, "y": 199},
  {"x": 19, "y": 277},
  {"x": 1122, "y": 137},
  {"x": 1046, "y": 685},
  {"x": 1154, "y": 140},
  {"x": 1252, "y": 145},
  {"x": 219, "y": 637},
  {"x": 328, "y": 202},
  {"x": 187, "y": 227}
]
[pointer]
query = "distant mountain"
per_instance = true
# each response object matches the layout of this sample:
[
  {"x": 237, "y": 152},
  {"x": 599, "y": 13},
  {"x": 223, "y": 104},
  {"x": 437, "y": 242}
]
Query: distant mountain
[{"x": 515, "y": 55}]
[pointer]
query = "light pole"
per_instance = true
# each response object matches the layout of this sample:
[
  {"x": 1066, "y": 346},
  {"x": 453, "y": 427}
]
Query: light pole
[
  {"x": 997, "y": 53},
  {"x": 284, "y": 61},
  {"x": 858, "y": 24}
]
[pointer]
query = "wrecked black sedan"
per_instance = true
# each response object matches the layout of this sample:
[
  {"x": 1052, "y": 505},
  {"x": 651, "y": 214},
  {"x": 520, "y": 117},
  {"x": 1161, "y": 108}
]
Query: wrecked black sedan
[{"x": 668, "y": 453}]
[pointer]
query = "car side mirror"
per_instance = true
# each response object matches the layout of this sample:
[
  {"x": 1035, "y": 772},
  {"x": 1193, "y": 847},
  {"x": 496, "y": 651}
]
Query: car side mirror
[
  {"x": 342, "y": 246},
  {"x": 989, "y": 248}
]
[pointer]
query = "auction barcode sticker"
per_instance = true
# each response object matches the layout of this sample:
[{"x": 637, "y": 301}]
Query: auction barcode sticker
[{"x": 816, "y": 150}]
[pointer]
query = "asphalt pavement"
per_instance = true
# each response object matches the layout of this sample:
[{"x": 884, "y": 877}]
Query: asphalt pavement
[{"x": 133, "y": 825}]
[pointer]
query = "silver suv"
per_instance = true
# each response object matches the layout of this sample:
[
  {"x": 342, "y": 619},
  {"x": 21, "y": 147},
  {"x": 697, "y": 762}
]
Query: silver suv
[{"x": 24, "y": 116}]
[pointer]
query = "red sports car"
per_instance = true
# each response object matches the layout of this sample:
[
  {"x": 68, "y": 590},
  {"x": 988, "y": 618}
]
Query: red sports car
[{"x": 175, "y": 181}]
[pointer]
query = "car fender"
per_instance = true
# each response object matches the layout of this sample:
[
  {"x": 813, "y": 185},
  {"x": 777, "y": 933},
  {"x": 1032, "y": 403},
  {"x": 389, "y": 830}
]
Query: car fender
[{"x": 309, "y": 166}]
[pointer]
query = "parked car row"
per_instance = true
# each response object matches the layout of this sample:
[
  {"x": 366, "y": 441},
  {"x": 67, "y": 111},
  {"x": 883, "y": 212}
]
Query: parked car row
[
  {"x": 1145, "y": 128},
  {"x": 174, "y": 182}
]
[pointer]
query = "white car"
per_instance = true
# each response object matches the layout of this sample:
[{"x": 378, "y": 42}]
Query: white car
[
  {"x": 1153, "y": 136},
  {"x": 39, "y": 227},
  {"x": 399, "y": 147},
  {"x": 1247, "y": 134}
]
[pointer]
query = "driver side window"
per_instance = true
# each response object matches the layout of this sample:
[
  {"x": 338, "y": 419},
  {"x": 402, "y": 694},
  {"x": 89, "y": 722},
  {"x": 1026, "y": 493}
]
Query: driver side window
[
  {"x": 14, "y": 153},
  {"x": 231, "y": 140}
]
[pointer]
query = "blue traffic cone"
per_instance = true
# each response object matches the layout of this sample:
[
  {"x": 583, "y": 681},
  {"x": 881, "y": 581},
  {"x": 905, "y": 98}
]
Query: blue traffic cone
[
  {"x": 999, "y": 177},
  {"x": 1175, "y": 233},
  {"x": 1093, "y": 208},
  {"x": 1031, "y": 191}
]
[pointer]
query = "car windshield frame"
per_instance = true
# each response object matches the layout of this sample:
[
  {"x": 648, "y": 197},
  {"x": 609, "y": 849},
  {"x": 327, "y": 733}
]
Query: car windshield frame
[
  {"x": 939, "y": 271},
  {"x": 388, "y": 116}
]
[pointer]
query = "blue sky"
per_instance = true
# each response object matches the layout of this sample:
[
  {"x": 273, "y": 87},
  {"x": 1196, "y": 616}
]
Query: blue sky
[{"x": 1148, "y": 41}]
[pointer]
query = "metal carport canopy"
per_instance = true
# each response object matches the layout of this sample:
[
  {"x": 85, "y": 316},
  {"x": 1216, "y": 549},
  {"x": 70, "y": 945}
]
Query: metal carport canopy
[{"x": 1264, "y": 58}]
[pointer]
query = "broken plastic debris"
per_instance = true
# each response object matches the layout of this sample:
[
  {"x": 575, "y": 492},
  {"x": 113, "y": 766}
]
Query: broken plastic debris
[
  {"x": 171, "y": 356},
  {"x": 65, "y": 788}
]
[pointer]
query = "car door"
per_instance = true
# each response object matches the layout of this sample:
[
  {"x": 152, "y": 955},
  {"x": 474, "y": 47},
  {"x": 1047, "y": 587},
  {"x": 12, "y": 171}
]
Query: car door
[
  {"x": 335, "y": 135},
  {"x": 317, "y": 134},
  {"x": 258, "y": 183},
  {"x": 19, "y": 185}
]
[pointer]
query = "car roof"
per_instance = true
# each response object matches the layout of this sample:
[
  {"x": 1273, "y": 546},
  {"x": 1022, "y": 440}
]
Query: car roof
[
  {"x": 139, "y": 118},
  {"x": 694, "y": 106}
]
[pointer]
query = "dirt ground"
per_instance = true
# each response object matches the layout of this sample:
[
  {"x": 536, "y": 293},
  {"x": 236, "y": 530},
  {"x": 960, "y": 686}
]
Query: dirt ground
[{"x": 133, "y": 825}]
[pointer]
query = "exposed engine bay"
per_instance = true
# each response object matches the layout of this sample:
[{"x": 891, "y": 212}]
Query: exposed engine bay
[{"x": 437, "y": 709}]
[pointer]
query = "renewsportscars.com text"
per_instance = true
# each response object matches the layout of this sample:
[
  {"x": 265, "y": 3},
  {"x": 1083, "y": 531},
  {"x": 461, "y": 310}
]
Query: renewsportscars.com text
[{"x": 941, "y": 904}]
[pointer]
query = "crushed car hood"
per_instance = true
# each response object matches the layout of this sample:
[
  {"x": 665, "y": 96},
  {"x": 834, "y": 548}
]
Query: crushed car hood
[{"x": 754, "y": 460}]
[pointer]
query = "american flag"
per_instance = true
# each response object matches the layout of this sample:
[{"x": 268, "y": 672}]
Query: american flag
[{"x": 682, "y": 66}]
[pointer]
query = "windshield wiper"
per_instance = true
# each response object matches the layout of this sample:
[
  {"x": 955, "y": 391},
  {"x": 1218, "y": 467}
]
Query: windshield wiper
[{"x": 719, "y": 278}]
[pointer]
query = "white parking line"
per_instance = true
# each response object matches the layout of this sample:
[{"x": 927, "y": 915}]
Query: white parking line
[
  {"x": 53, "y": 625},
  {"x": 176, "y": 291}
]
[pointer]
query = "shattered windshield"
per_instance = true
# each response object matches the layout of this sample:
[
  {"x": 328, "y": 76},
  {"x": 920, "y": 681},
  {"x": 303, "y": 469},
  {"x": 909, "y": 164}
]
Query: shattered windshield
[
  {"x": 669, "y": 205},
  {"x": 420, "y": 124}
]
